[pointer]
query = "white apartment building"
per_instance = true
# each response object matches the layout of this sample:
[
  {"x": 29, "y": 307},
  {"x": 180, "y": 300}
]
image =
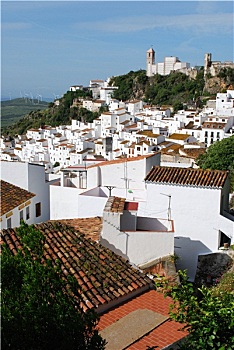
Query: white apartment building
[{"x": 216, "y": 128}]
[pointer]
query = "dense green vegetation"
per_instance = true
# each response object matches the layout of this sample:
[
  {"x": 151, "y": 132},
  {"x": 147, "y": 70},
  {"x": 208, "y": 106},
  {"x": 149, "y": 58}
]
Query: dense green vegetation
[
  {"x": 129, "y": 85},
  {"x": 227, "y": 74},
  {"x": 38, "y": 310},
  {"x": 207, "y": 313},
  {"x": 13, "y": 110},
  {"x": 173, "y": 89}
]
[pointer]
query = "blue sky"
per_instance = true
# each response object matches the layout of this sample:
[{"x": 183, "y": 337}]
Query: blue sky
[{"x": 49, "y": 45}]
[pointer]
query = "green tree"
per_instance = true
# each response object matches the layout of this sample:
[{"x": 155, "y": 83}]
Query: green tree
[
  {"x": 39, "y": 310},
  {"x": 207, "y": 314},
  {"x": 219, "y": 156}
]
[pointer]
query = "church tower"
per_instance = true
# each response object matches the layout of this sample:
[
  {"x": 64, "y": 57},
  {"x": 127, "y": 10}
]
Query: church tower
[{"x": 150, "y": 61}]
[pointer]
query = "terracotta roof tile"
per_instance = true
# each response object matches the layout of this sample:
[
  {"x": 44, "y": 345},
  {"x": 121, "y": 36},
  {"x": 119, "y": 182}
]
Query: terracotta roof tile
[
  {"x": 90, "y": 227},
  {"x": 102, "y": 274},
  {"x": 12, "y": 196},
  {"x": 115, "y": 205},
  {"x": 193, "y": 152},
  {"x": 148, "y": 133},
  {"x": 178, "y": 136},
  {"x": 122, "y": 160},
  {"x": 187, "y": 176}
]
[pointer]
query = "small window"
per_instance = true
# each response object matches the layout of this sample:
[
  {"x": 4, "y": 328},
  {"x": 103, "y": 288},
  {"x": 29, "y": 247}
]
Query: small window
[
  {"x": 27, "y": 213},
  {"x": 38, "y": 209},
  {"x": 9, "y": 223}
]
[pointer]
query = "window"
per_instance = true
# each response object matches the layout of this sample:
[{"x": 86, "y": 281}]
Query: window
[
  {"x": 21, "y": 215},
  {"x": 212, "y": 134},
  {"x": 27, "y": 213},
  {"x": 38, "y": 209},
  {"x": 9, "y": 223},
  {"x": 206, "y": 133},
  {"x": 138, "y": 148}
]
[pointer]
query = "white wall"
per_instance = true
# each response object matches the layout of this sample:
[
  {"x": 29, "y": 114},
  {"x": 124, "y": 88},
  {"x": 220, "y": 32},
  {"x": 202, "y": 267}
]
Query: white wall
[
  {"x": 138, "y": 247},
  {"x": 70, "y": 203}
]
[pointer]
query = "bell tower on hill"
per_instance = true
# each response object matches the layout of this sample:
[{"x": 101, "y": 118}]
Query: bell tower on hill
[{"x": 150, "y": 61}]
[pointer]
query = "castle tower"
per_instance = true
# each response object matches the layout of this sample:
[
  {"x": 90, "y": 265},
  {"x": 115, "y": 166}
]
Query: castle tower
[
  {"x": 207, "y": 63},
  {"x": 150, "y": 61}
]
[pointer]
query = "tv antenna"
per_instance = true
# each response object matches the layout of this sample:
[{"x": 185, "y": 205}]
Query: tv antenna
[{"x": 125, "y": 178}]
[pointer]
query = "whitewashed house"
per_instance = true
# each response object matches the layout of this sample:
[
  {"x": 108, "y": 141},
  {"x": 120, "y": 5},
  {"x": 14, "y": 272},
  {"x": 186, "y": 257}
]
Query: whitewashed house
[
  {"x": 181, "y": 139},
  {"x": 17, "y": 204},
  {"x": 197, "y": 201},
  {"x": 30, "y": 177}
]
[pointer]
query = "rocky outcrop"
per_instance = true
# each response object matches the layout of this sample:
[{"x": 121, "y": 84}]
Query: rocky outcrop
[
  {"x": 212, "y": 266},
  {"x": 215, "y": 85}
]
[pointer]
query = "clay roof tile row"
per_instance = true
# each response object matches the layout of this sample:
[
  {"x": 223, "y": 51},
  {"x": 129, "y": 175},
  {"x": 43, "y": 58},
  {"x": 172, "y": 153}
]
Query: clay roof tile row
[{"x": 187, "y": 176}]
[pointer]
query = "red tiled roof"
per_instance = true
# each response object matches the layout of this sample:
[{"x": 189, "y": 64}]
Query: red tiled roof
[
  {"x": 90, "y": 227},
  {"x": 165, "y": 334},
  {"x": 187, "y": 176},
  {"x": 122, "y": 160},
  {"x": 12, "y": 196},
  {"x": 103, "y": 276},
  {"x": 148, "y": 133},
  {"x": 176, "y": 136}
]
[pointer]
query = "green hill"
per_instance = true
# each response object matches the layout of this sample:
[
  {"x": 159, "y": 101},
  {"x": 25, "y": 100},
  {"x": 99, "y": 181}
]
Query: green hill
[{"x": 13, "y": 110}]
